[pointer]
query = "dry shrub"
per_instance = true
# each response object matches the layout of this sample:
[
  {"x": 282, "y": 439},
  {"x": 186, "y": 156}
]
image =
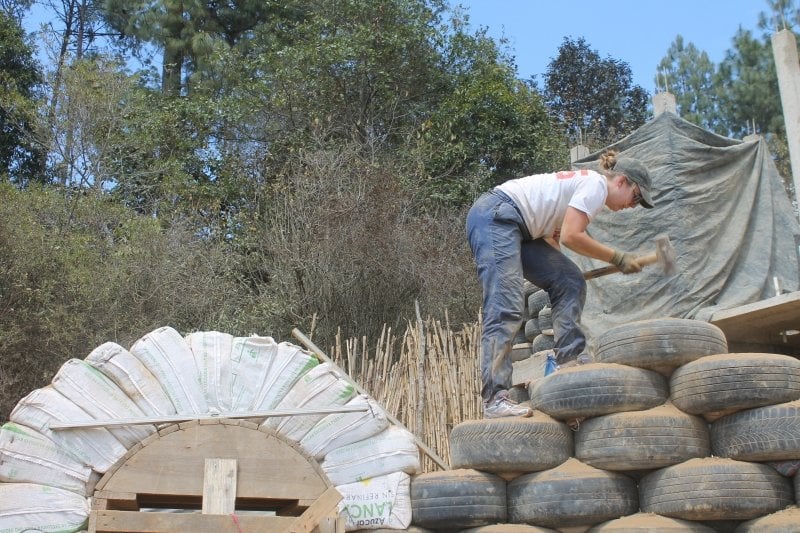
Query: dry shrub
[{"x": 340, "y": 239}]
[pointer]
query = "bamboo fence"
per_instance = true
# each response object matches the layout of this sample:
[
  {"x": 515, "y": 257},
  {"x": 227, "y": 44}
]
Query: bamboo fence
[{"x": 429, "y": 378}]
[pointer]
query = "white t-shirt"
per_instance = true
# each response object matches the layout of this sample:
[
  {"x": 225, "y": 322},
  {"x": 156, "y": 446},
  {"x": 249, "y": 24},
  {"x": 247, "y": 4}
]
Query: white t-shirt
[{"x": 543, "y": 198}]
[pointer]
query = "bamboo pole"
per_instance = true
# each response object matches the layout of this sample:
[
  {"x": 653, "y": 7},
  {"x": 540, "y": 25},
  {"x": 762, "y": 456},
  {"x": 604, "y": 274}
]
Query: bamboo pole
[{"x": 314, "y": 348}]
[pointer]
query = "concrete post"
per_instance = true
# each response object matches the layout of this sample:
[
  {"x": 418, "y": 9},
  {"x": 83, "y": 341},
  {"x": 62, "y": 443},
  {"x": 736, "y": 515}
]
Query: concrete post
[
  {"x": 784, "y": 48},
  {"x": 578, "y": 152},
  {"x": 664, "y": 102}
]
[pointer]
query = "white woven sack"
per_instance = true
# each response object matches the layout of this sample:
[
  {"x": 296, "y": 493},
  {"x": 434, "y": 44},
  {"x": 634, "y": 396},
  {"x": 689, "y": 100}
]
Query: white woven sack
[
  {"x": 322, "y": 386},
  {"x": 382, "y": 502},
  {"x": 212, "y": 356},
  {"x": 33, "y": 507},
  {"x": 167, "y": 355},
  {"x": 289, "y": 364},
  {"x": 339, "y": 429},
  {"x": 93, "y": 392},
  {"x": 94, "y": 446},
  {"x": 251, "y": 358},
  {"x": 392, "y": 450},
  {"x": 130, "y": 375},
  {"x": 27, "y": 456}
]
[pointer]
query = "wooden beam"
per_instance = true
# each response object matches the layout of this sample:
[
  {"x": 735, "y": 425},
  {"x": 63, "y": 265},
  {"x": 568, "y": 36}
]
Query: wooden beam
[
  {"x": 127, "y": 521},
  {"x": 325, "y": 506},
  {"x": 187, "y": 417},
  {"x": 762, "y": 322},
  {"x": 219, "y": 486}
]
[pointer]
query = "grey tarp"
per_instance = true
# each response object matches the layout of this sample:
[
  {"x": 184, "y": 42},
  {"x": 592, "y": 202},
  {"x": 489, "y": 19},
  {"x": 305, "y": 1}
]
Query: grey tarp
[{"x": 723, "y": 205}]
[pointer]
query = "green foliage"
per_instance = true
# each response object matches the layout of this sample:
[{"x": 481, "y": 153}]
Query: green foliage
[
  {"x": 751, "y": 93},
  {"x": 689, "y": 74},
  {"x": 593, "y": 99},
  {"x": 488, "y": 128},
  {"x": 188, "y": 33},
  {"x": 21, "y": 159},
  {"x": 77, "y": 270},
  {"x": 740, "y": 95}
]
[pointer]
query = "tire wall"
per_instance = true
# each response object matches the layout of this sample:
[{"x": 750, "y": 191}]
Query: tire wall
[{"x": 669, "y": 432}]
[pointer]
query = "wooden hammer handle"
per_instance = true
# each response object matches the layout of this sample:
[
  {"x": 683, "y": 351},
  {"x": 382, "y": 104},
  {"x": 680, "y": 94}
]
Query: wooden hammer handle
[{"x": 644, "y": 260}]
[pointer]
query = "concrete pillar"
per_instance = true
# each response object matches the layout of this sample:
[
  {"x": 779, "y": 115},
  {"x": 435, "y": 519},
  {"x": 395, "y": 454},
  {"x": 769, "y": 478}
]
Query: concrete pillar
[
  {"x": 578, "y": 152},
  {"x": 664, "y": 102},
  {"x": 784, "y": 48}
]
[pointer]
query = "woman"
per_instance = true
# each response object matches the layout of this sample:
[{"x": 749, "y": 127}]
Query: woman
[{"x": 515, "y": 231}]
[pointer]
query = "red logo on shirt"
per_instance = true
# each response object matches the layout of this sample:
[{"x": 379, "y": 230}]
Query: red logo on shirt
[{"x": 567, "y": 174}]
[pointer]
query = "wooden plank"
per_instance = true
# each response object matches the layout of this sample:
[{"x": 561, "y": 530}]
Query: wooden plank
[
  {"x": 393, "y": 419},
  {"x": 106, "y": 499},
  {"x": 127, "y": 521},
  {"x": 219, "y": 486},
  {"x": 762, "y": 322},
  {"x": 325, "y": 506},
  {"x": 205, "y": 419}
]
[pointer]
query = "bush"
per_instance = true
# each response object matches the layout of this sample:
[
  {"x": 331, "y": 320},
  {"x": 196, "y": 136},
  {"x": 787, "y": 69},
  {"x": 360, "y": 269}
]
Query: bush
[{"x": 78, "y": 270}]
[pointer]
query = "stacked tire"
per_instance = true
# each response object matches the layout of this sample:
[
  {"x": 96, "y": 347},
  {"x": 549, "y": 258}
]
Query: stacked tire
[
  {"x": 672, "y": 433},
  {"x": 535, "y": 338}
]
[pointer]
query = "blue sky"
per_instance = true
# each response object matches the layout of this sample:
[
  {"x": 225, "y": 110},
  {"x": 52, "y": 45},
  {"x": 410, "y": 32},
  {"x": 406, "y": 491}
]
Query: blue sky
[{"x": 638, "y": 32}]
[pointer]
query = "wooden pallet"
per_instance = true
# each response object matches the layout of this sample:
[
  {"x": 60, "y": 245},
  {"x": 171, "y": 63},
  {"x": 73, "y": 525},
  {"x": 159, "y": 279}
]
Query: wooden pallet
[{"x": 218, "y": 467}]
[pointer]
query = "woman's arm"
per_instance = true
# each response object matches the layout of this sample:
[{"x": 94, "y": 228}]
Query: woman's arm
[{"x": 574, "y": 237}]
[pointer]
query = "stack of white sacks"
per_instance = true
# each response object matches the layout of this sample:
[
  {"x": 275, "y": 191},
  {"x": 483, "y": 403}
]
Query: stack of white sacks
[{"x": 47, "y": 476}]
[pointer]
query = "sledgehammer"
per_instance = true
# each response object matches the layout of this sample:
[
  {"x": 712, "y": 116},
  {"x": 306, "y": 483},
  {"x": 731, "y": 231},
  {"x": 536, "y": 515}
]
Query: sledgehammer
[{"x": 664, "y": 256}]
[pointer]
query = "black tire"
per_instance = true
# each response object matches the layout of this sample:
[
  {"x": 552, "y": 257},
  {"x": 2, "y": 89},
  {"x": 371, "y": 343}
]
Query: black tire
[
  {"x": 649, "y": 523},
  {"x": 572, "y": 494},
  {"x": 537, "y": 301},
  {"x": 770, "y": 433},
  {"x": 532, "y": 329},
  {"x": 520, "y": 352},
  {"x": 457, "y": 499},
  {"x": 642, "y": 440},
  {"x": 521, "y": 337},
  {"x": 715, "y": 489},
  {"x": 542, "y": 342},
  {"x": 730, "y": 382},
  {"x": 661, "y": 344},
  {"x": 597, "y": 389},
  {"x": 546, "y": 319},
  {"x": 529, "y": 288},
  {"x": 518, "y": 394},
  {"x": 510, "y": 445},
  {"x": 785, "y": 521}
]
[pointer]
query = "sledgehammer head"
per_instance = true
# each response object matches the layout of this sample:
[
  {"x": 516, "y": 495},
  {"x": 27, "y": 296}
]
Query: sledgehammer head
[{"x": 665, "y": 255}]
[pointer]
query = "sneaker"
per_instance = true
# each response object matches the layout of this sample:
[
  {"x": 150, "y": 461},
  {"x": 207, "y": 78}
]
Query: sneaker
[{"x": 502, "y": 406}]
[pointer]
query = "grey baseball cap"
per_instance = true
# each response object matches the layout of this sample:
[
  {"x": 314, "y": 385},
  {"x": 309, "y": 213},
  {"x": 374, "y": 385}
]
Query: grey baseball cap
[{"x": 635, "y": 171}]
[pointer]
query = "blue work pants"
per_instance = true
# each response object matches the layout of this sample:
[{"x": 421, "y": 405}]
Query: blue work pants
[{"x": 504, "y": 255}]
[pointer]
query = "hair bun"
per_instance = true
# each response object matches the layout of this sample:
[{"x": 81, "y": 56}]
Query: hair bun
[{"x": 608, "y": 159}]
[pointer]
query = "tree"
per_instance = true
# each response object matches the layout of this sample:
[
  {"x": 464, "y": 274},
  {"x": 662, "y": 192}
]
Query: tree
[
  {"x": 751, "y": 95},
  {"x": 188, "y": 32},
  {"x": 782, "y": 14},
  {"x": 21, "y": 159},
  {"x": 593, "y": 99},
  {"x": 689, "y": 74},
  {"x": 15, "y": 9},
  {"x": 488, "y": 127}
]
